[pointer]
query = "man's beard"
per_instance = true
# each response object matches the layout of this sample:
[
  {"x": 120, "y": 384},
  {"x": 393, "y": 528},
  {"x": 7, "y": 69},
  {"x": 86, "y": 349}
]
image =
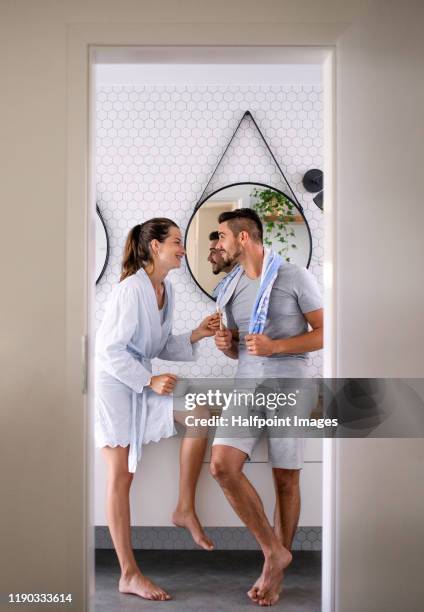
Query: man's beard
[
  {"x": 229, "y": 260},
  {"x": 219, "y": 267}
]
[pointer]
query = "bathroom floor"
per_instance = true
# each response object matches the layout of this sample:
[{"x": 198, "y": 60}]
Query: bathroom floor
[{"x": 202, "y": 582}]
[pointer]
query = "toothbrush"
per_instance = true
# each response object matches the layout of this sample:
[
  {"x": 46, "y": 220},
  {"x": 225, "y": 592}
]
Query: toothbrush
[{"x": 219, "y": 311}]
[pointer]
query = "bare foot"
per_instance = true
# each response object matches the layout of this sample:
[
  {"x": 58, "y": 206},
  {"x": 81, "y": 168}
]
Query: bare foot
[
  {"x": 190, "y": 521},
  {"x": 253, "y": 593},
  {"x": 137, "y": 584},
  {"x": 266, "y": 590}
]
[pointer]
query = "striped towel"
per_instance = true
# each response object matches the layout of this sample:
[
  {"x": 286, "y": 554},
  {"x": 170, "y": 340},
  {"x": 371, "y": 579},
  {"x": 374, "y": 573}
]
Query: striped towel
[
  {"x": 271, "y": 265},
  {"x": 226, "y": 287},
  {"x": 221, "y": 290}
]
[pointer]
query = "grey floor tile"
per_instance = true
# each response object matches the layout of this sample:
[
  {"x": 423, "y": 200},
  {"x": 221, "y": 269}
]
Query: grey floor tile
[{"x": 208, "y": 582}]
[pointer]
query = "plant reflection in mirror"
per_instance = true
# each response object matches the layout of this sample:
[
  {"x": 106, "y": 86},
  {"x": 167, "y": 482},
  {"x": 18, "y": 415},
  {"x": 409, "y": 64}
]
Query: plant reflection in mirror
[{"x": 276, "y": 213}]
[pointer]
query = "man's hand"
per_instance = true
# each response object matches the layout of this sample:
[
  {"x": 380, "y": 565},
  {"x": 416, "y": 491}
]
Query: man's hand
[
  {"x": 259, "y": 344},
  {"x": 223, "y": 339},
  {"x": 163, "y": 384}
]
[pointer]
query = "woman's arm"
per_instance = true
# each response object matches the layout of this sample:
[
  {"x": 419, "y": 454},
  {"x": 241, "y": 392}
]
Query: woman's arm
[
  {"x": 182, "y": 347},
  {"x": 206, "y": 328}
]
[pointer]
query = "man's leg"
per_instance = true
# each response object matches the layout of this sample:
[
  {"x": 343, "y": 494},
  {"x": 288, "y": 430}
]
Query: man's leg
[
  {"x": 286, "y": 456},
  {"x": 192, "y": 452},
  {"x": 226, "y": 467},
  {"x": 287, "y": 504}
]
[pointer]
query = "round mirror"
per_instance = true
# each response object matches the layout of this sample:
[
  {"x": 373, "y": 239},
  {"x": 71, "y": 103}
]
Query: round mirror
[
  {"x": 286, "y": 230},
  {"x": 102, "y": 246}
]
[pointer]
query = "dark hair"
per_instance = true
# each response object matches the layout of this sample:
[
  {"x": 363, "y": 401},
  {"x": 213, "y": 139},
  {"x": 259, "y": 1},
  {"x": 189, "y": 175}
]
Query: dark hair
[
  {"x": 214, "y": 236},
  {"x": 243, "y": 219},
  {"x": 137, "y": 246}
]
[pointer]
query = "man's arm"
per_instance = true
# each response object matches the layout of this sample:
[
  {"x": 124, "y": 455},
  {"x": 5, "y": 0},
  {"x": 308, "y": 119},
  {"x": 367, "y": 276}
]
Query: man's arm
[
  {"x": 260, "y": 344},
  {"x": 309, "y": 341}
]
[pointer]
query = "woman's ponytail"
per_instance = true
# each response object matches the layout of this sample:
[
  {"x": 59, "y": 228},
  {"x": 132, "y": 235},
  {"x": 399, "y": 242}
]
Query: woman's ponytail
[{"x": 131, "y": 259}]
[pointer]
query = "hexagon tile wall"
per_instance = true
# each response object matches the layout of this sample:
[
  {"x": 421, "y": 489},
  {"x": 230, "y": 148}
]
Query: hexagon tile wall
[{"x": 156, "y": 148}]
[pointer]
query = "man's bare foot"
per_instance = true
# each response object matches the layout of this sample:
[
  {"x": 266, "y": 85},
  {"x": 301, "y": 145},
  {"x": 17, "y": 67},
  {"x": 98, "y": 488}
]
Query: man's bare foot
[
  {"x": 137, "y": 584},
  {"x": 253, "y": 592},
  {"x": 190, "y": 521},
  {"x": 266, "y": 590}
]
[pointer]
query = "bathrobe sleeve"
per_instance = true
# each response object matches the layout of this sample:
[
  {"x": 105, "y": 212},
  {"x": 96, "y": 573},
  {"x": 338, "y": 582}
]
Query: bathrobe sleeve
[
  {"x": 116, "y": 331},
  {"x": 179, "y": 348},
  {"x": 176, "y": 348}
]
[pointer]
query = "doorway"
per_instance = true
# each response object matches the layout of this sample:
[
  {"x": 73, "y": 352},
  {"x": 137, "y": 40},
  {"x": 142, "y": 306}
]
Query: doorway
[{"x": 181, "y": 57}]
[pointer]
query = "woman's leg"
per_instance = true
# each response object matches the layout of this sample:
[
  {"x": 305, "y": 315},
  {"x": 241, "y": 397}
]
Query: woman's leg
[
  {"x": 118, "y": 516},
  {"x": 192, "y": 452}
]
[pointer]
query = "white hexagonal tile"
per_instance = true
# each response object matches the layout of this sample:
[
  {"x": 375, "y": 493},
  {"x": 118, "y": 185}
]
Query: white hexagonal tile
[{"x": 178, "y": 133}]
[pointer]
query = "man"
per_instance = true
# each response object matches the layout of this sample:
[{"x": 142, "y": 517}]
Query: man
[
  {"x": 215, "y": 257},
  {"x": 281, "y": 351}
]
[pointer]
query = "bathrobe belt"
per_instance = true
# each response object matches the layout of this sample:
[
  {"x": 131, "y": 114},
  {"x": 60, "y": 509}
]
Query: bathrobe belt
[{"x": 138, "y": 417}]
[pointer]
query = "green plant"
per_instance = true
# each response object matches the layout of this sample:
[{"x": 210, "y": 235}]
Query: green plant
[{"x": 276, "y": 213}]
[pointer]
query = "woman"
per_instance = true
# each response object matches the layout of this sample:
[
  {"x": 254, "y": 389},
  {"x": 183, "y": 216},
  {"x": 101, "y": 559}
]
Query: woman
[{"x": 133, "y": 407}]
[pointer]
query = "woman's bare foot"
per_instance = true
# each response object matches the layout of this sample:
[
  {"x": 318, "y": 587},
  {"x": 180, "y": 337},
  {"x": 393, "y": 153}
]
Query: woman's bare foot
[
  {"x": 137, "y": 584},
  {"x": 266, "y": 590},
  {"x": 190, "y": 521}
]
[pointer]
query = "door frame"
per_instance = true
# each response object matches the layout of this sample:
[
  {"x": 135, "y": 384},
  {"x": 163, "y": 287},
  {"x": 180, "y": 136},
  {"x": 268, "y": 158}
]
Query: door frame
[{"x": 91, "y": 43}]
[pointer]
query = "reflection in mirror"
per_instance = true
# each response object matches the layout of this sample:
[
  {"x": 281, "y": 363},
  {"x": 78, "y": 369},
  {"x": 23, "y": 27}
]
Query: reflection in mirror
[
  {"x": 285, "y": 229},
  {"x": 102, "y": 246}
]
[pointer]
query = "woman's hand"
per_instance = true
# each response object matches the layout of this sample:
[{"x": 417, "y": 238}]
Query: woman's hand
[
  {"x": 206, "y": 328},
  {"x": 163, "y": 384}
]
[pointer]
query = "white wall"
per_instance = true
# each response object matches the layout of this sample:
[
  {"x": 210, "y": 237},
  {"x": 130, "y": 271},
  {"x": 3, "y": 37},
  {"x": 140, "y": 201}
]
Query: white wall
[
  {"x": 379, "y": 119},
  {"x": 380, "y": 300},
  {"x": 157, "y": 145}
]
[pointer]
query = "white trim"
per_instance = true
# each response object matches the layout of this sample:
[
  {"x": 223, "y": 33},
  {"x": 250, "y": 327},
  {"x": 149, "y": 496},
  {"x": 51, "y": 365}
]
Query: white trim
[
  {"x": 91, "y": 293},
  {"x": 329, "y": 482},
  {"x": 220, "y": 74}
]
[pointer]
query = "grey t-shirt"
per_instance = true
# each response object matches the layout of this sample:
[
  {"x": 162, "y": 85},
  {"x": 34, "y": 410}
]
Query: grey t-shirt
[
  {"x": 295, "y": 291},
  {"x": 239, "y": 308}
]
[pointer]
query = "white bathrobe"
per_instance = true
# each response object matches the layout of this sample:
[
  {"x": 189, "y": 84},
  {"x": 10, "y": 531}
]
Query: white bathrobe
[{"x": 127, "y": 412}]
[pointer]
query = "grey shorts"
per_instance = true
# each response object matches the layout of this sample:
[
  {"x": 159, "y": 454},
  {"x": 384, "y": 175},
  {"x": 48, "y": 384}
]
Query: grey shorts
[{"x": 285, "y": 451}]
